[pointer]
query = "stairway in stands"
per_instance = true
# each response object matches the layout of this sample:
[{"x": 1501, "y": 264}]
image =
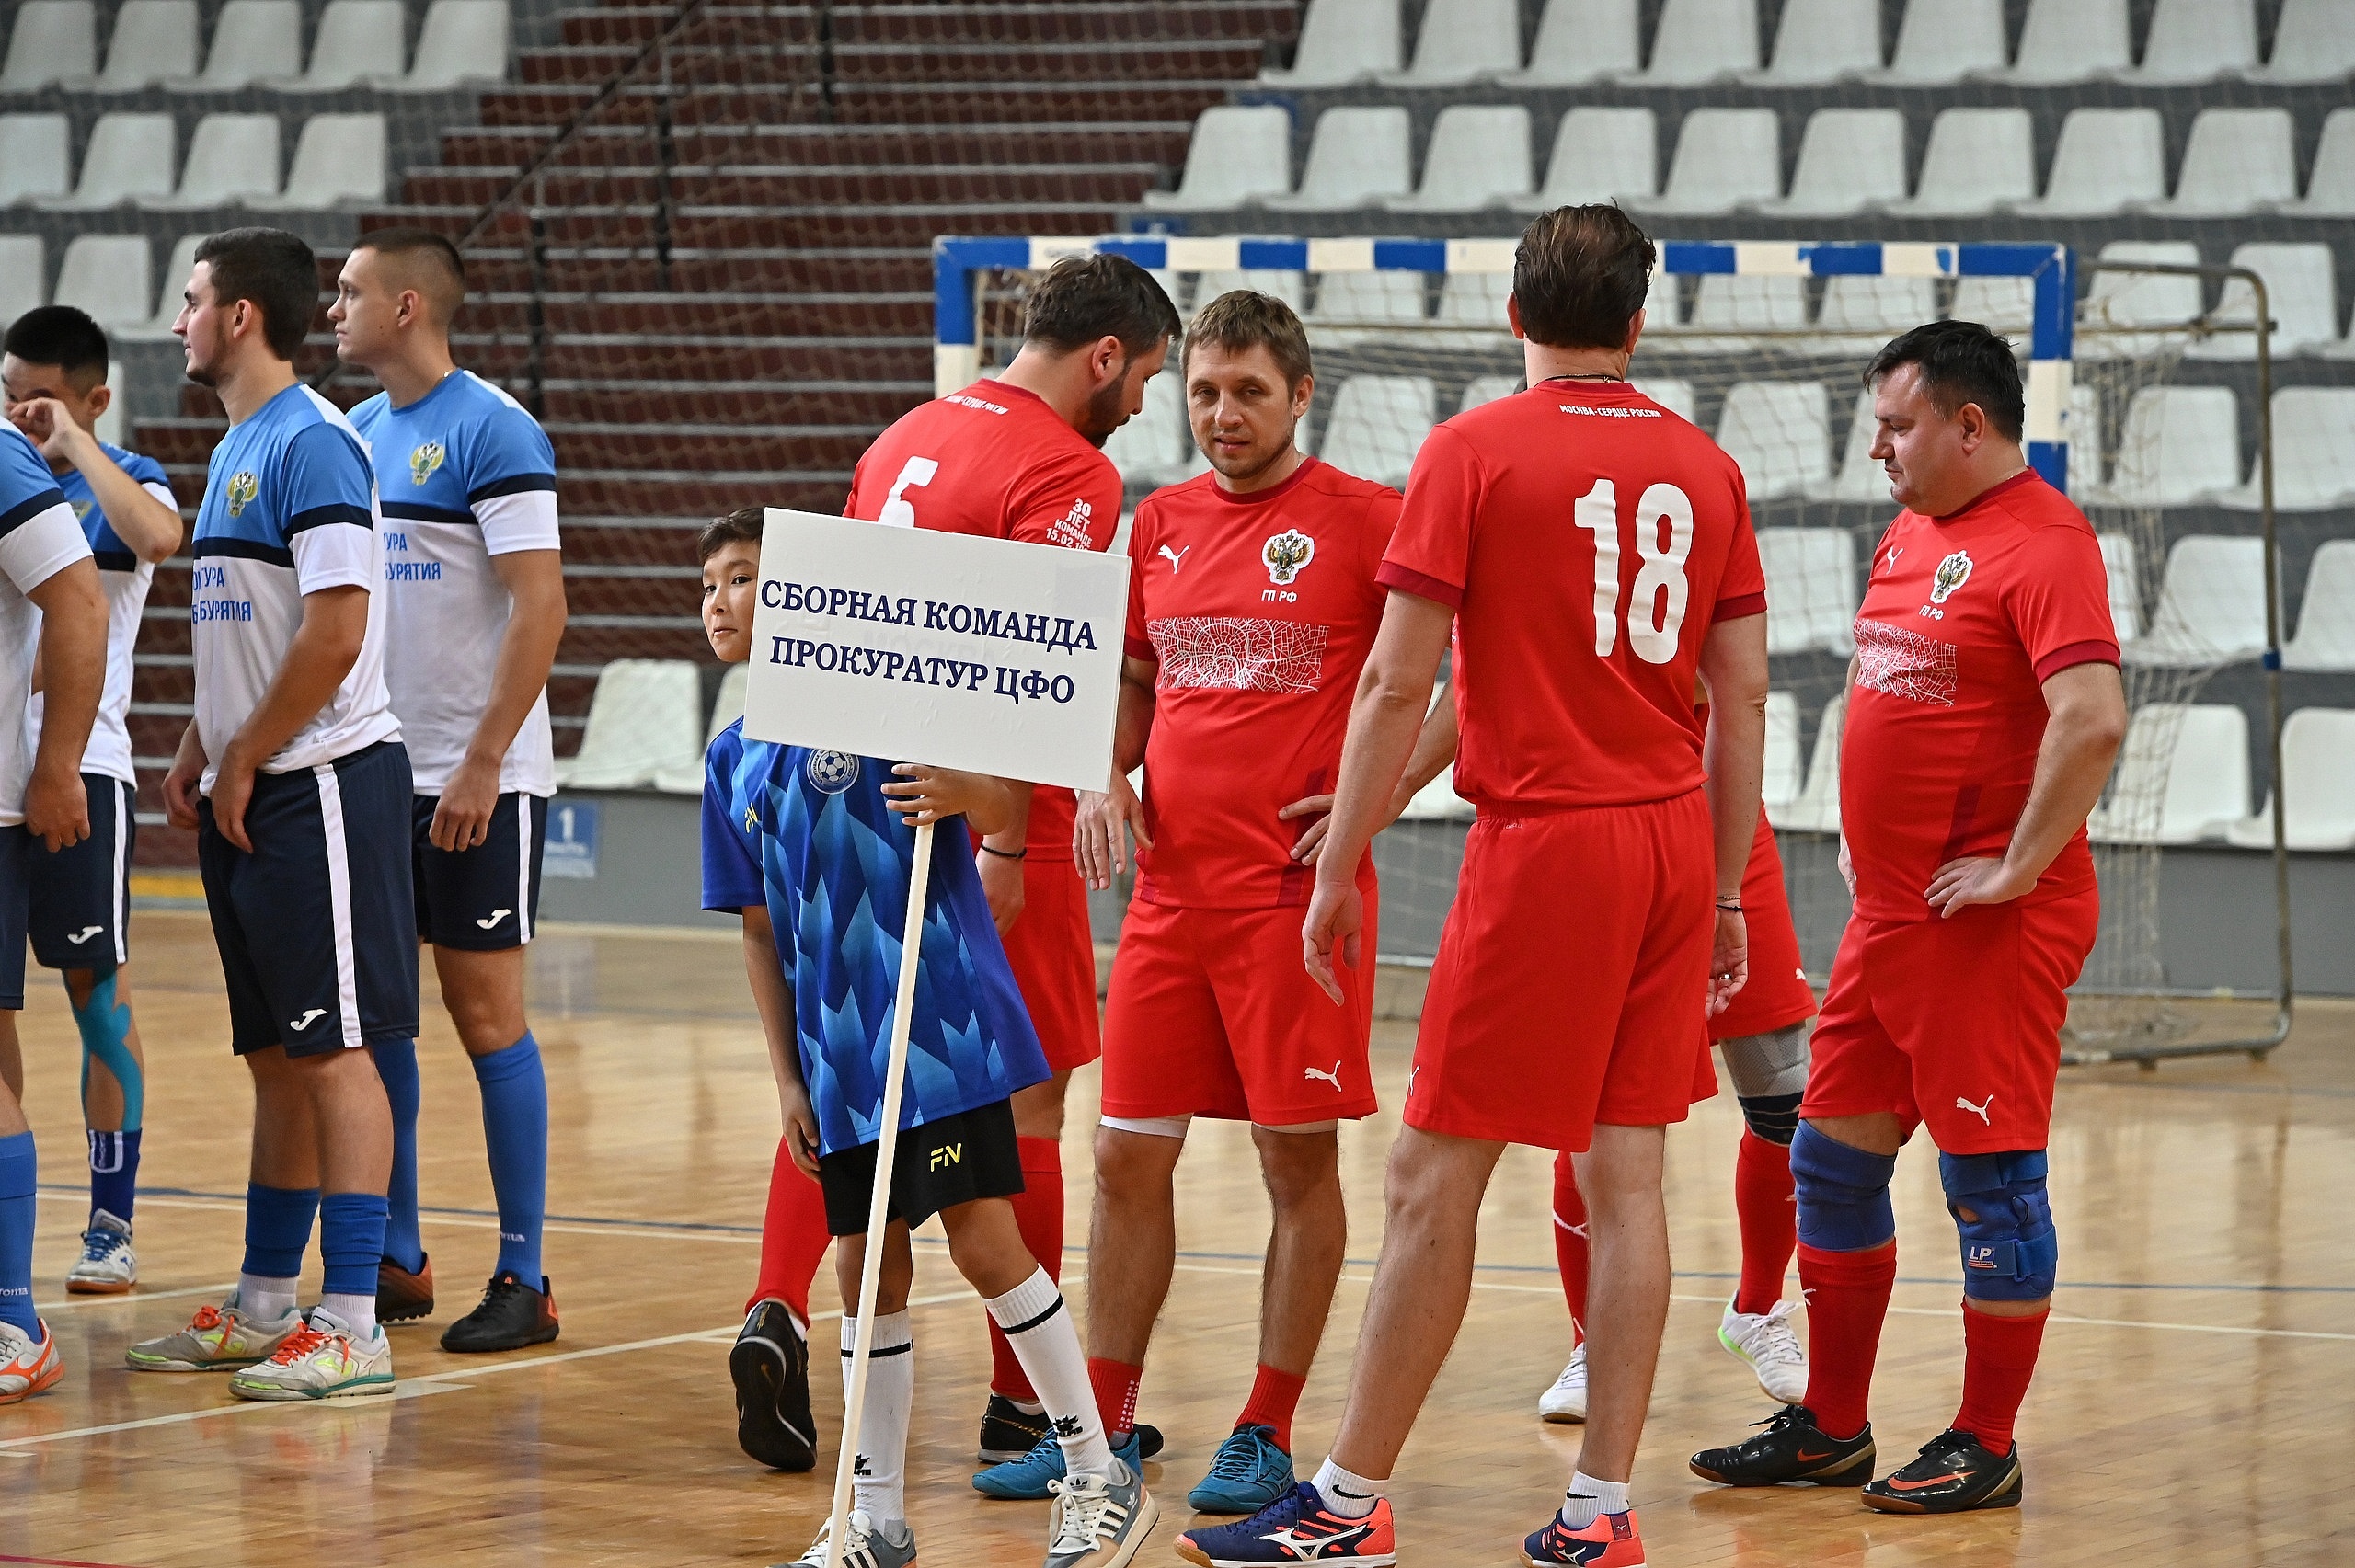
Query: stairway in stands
[{"x": 699, "y": 237}]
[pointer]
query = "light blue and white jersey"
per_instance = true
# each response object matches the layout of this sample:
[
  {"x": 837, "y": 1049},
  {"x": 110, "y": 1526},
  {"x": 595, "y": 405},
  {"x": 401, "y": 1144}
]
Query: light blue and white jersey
[
  {"x": 124, "y": 577},
  {"x": 38, "y": 538},
  {"x": 462, "y": 473},
  {"x": 290, "y": 508}
]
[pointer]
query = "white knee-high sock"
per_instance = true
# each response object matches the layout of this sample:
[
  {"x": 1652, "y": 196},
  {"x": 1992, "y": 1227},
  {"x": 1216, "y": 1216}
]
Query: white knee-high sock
[
  {"x": 878, "y": 1487},
  {"x": 1035, "y": 1322}
]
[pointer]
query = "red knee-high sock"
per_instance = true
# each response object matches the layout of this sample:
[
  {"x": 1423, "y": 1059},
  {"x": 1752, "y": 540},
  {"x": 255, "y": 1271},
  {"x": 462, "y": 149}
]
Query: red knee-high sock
[
  {"x": 1116, "y": 1384},
  {"x": 1275, "y": 1397},
  {"x": 1770, "y": 1220},
  {"x": 793, "y": 1237},
  {"x": 1847, "y": 1298},
  {"x": 1569, "y": 1242},
  {"x": 1998, "y": 1360},
  {"x": 1038, "y": 1212}
]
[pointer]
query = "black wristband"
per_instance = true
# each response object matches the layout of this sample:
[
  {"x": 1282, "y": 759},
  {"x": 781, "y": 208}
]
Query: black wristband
[
  {"x": 1007, "y": 854},
  {"x": 1731, "y": 906}
]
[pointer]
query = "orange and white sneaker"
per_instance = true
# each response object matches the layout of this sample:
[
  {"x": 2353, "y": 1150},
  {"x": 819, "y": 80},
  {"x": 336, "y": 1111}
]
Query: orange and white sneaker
[
  {"x": 218, "y": 1339},
  {"x": 1612, "y": 1541},
  {"x": 322, "y": 1359},
  {"x": 27, "y": 1364}
]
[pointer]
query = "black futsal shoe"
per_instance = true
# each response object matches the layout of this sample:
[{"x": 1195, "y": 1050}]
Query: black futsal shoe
[
  {"x": 509, "y": 1316},
  {"x": 1792, "y": 1449},
  {"x": 1953, "y": 1474},
  {"x": 400, "y": 1295},
  {"x": 770, "y": 1365},
  {"x": 1148, "y": 1441},
  {"x": 1008, "y": 1432}
]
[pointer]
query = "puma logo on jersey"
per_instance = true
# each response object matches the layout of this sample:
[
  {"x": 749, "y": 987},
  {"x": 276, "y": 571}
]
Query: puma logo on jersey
[
  {"x": 1176, "y": 557},
  {"x": 496, "y": 916},
  {"x": 84, "y": 935},
  {"x": 1333, "y": 1078},
  {"x": 1980, "y": 1111},
  {"x": 312, "y": 1016},
  {"x": 1888, "y": 563}
]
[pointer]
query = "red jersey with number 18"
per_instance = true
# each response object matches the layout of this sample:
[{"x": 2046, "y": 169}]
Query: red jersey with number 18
[
  {"x": 995, "y": 461},
  {"x": 1589, "y": 538}
]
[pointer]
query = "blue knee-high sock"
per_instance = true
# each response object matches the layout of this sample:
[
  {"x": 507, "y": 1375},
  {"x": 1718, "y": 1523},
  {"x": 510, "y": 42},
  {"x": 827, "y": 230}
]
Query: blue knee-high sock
[
  {"x": 105, "y": 1025},
  {"x": 352, "y": 1239},
  {"x": 114, "y": 1172},
  {"x": 396, "y": 1065},
  {"x": 19, "y": 1179},
  {"x": 278, "y": 1230},
  {"x": 515, "y": 1128}
]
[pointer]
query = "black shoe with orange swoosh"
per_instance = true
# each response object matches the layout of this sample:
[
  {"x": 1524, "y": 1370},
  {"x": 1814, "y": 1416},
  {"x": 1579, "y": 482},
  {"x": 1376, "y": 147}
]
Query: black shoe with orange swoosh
[
  {"x": 1791, "y": 1449},
  {"x": 1953, "y": 1474}
]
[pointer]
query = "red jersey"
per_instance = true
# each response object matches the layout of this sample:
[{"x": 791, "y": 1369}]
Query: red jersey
[
  {"x": 1588, "y": 539},
  {"x": 1964, "y": 619},
  {"x": 1260, "y": 611},
  {"x": 995, "y": 461}
]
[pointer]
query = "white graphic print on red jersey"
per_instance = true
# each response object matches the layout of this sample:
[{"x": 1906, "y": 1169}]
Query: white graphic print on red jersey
[
  {"x": 1233, "y": 652},
  {"x": 1905, "y": 664}
]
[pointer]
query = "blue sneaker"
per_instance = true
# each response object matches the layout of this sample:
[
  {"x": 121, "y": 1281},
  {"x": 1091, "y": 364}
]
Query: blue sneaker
[
  {"x": 1024, "y": 1479},
  {"x": 1295, "y": 1527},
  {"x": 1247, "y": 1474}
]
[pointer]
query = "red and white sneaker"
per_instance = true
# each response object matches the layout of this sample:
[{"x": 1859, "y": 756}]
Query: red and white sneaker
[
  {"x": 26, "y": 1366},
  {"x": 1612, "y": 1541}
]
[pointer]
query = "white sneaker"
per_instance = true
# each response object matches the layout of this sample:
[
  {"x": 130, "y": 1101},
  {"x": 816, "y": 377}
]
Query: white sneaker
[
  {"x": 1766, "y": 1340},
  {"x": 27, "y": 1364},
  {"x": 323, "y": 1359},
  {"x": 865, "y": 1545},
  {"x": 1099, "y": 1520},
  {"x": 218, "y": 1339},
  {"x": 106, "y": 1267},
  {"x": 1565, "y": 1401}
]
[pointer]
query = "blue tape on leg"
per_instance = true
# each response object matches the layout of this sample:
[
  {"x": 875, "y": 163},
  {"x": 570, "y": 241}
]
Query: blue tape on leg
[
  {"x": 2010, "y": 1249},
  {"x": 1842, "y": 1194},
  {"x": 105, "y": 1024}
]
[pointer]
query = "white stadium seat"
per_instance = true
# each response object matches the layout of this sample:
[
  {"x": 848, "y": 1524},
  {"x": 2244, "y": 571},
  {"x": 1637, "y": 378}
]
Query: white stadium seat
[
  {"x": 644, "y": 721},
  {"x": 2118, "y": 564},
  {"x": 1366, "y": 300},
  {"x": 1699, "y": 41},
  {"x": 1475, "y": 301},
  {"x": 1478, "y": 157},
  {"x": 2325, "y": 639},
  {"x": 2191, "y": 41},
  {"x": 34, "y": 157},
  {"x": 2178, "y": 445},
  {"x": 1945, "y": 40},
  {"x": 2317, "y": 758},
  {"x": 2313, "y": 452},
  {"x": 2107, "y": 159},
  {"x": 461, "y": 40},
  {"x": 232, "y": 158},
  {"x": 106, "y": 275},
  {"x": 2331, "y": 188},
  {"x": 2312, "y": 42},
  {"x": 1290, "y": 287},
  {"x": 1786, "y": 771},
  {"x": 24, "y": 276},
  {"x": 2238, "y": 160},
  {"x": 339, "y": 161},
  {"x": 129, "y": 157},
  {"x": 1357, "y": 156},
  {"x": 1378, "y": 424},
  {"x": 1810, "y": 588},
  {"x": 1342, "y": 41},
  {"x": 1600, "y": 154},
  {"x": 1154, "y": 448},
  {"x": 53, "y": 40},
  {"x": 1239, "y": 154},
  {"x": 1779, "y": 432},
  {"x": 2072, "y": 41},
  {"x": 2301, "y": 298},
  {"x": 1864, "y": 311},
  {"x": 1580, "y": 41},
  {"x": 1860, "y": 478},
  {"x": 1486, "y": 389},
  {"x": 358, "y": 40},
  {"x": 1725, "y": 158},
  {"x": 1823, "y": 41},
  {"x": 1849, "y": 159},
  {"x": 1817, "y": 808},
  {"x": 1978, "y": 160},
  {"x": 2117, "y": 301},
  {"x": 153, "y": 41},
  {"x": 2086, "y": 474},
  {"x": 1671, "y": 393},
  {"x": 2212, "y": 604},
  {"x": 2002, "y": 304},
  {"x": 255, "y": 40},
  {"x": 1462, "y": 40},
  {"x": 727, "y": 707},
  {"x": 1738, "y": 305},
  {"x": 2182, "y": 777},
  {"x": 158, "y": 327}
]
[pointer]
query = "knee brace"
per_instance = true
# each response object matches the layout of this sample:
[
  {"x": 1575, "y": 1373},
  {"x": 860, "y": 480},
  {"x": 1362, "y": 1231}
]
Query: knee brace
[
  {"x": 1769, "y": 1074},
  {"x": 2010, "y": 1251},
  {"x": 1842, "y": 1194},
  {"x": 105, "y": 1025}
]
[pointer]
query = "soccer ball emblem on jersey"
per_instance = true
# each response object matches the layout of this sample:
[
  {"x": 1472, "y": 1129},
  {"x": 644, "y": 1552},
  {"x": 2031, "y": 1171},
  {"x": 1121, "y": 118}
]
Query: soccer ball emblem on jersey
[
  {"x": 243, "y": 488},
  {"x": 1952, "y": 573},
  {"x": 1285, "y": 554},
  {"x": 831, "y": 772},
  {"x": 423, "y": 460}
]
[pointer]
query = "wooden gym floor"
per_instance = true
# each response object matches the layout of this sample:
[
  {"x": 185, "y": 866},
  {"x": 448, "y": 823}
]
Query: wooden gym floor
[{"x": 2196, "y": 1405}]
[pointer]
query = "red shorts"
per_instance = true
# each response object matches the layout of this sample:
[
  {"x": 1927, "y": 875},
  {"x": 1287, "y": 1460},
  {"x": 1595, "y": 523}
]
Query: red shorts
[
  {"x": 1777, "y": 995},
  {"x": 1955, "y": 1023},
  {"x": 1211, "y": 1013},
  {"x": 1054, "y": 963},
  {"x": 1571, "y": 981}
]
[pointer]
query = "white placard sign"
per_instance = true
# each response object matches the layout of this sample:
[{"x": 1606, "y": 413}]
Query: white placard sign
[{"x": 979, "y": 654}]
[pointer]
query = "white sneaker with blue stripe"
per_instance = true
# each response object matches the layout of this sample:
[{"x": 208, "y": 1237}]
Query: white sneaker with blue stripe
[{"x": 106, "y": 1266}]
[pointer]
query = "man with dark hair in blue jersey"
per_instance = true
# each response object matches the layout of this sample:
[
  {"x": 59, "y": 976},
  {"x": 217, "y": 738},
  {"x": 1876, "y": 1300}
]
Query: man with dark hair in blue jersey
[
  {"x": 53, "y": 372},
  {"x": 294, "y": 779},
  {"x": 49, "y": 608}
]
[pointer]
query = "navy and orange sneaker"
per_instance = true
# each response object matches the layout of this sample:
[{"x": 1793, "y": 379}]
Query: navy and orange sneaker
[
  {"x": 1295, "y": 1527},
  {"x": 1612, "y": 1541},
  {"x": 1792, "y": 1449},
  {"x": 1952, "y": 1474}
]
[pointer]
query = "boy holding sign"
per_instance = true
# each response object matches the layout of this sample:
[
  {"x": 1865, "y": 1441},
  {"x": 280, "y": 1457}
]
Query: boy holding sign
[{"x": 812, "y": 846}]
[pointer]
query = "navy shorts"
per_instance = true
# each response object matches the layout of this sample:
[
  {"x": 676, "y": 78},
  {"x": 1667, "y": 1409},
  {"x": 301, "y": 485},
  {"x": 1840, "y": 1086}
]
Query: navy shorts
[
  {"x": 314, "y": 926},
  {"x": 18, "y": 848},
  {"x": 485, "y": 899},
  {"x": 81, "y": 895}
]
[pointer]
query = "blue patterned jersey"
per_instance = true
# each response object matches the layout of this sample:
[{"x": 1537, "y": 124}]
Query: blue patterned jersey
[{"x": 806, "y": 833}]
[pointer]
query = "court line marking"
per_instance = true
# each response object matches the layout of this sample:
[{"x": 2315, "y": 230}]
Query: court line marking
[{"x": 72, "y": 1302}]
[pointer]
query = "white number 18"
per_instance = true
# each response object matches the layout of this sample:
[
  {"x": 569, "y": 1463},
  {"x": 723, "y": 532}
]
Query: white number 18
[{"x": 1652, "y": 625}]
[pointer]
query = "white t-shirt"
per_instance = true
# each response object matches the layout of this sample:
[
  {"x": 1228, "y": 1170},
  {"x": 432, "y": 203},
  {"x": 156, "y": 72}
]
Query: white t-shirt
[
  {"x": 462, "y": 473},
  {"x": 38, "y": 538}
]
